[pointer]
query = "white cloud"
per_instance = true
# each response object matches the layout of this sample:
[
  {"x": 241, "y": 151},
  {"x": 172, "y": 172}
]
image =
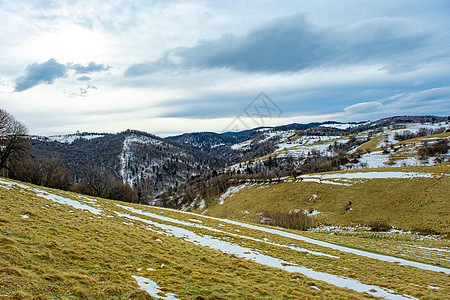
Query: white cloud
[
  {"x": 121, "y": 33},
  {"x": 364, "y": 108}
]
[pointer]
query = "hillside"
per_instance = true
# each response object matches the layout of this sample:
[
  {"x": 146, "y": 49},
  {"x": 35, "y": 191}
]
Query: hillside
[
  {"x": 58, "y": 244},
  {"x": 411, "y": 198},
  {"x": 150, "y": 164},
  {"x": 153, "y": 165},
  {"x": 393, "y": 145}
]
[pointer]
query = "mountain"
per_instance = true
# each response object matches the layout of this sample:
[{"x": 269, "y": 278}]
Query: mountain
[
  {"x": 62, "y": 245},
  {"x": 321, "y": 149},
  {"x": 153, "y": 165},
  {"x": 148, "y": 163},
  {"x": 244, "y": 145}
]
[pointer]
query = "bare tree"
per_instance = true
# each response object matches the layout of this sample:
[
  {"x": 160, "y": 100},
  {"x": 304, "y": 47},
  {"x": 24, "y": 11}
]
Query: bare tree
[
  {"x": 55, "y": 174},
  {"x": 96, "y": 183},
  {"x": 14, "y": 144}
]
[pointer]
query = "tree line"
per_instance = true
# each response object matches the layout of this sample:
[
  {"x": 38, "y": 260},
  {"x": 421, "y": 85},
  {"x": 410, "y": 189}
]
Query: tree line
[{"x": 17, "y": 162}]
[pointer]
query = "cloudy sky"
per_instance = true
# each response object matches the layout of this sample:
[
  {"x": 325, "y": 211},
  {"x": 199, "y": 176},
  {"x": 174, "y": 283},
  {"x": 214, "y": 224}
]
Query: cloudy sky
[{"x": 169, "y": 67}]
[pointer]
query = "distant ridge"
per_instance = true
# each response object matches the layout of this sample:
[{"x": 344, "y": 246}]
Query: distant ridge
[{"x": 153, "y": 165}]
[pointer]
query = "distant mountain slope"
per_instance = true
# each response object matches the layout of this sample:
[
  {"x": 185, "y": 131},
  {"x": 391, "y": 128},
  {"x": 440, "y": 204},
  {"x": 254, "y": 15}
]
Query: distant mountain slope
[
  {"x": 149, "y": 163},
  {"x": 319, "y": 149},
  {"x": 153, "y": 165},
  {"x": 238, "y": 146},
  {"x": 378, "y": 146},
  {"x": 249, "y": 144}
]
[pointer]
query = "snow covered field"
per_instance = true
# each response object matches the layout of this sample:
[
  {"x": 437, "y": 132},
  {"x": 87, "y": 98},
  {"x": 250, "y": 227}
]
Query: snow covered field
[{"x": 303, "y": 146}]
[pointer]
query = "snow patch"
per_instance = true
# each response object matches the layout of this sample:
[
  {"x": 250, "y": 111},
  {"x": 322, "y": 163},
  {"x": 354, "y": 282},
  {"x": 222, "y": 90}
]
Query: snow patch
[
  {"x": 433, "y": 287},
  {"x": 71, "y": 202},
  {"x": 152, "y": 288},
  {"x": 342, "y": 126},
  {"x": 70, "y": 138},
  {"x": 55, "y": 198},
  {"x": 347, "y": 177},
  {"x": 312, "y": 212},
  {"x": 231, "y": 191},
  {"x": 242, "y": 146}
]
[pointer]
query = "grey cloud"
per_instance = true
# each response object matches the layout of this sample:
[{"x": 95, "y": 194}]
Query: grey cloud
[
  {"x": 84, "y": 78},
  {"x": 398, "y": 69},
  {"x": 364, "y": 107},
  {"x": 430, "y": 101},
  {"x": 83, "y": 91},
  {"x": 37, "y": 73},
  {"x": 49, "y": 71},
  {"x": 292, "y": 44},
  {"x": 89, "y": 68},
  {"x": 139, "y": 69}
]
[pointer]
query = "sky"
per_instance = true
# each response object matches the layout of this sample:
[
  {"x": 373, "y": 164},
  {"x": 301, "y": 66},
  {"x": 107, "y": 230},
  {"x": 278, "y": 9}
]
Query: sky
[{"x": 170, "y": 67}]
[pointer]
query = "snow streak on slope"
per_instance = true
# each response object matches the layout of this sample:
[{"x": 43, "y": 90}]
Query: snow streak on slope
[
  {"x": 343, "y": 126},
  {"x": 328, "y": 245},
  {"x": 412, "y": 128},
  {"x": 302, "y": 146},
  {"x": 231, "y": 191},
  {"x": 348, "y": 178},
  {"x": 58, "y": 199},
  {"x": 256, "y": 256},
  {"x": 167, "y": 219},
  {"x": 126, "y": 156},
  {"x": 267, "y": 136}
]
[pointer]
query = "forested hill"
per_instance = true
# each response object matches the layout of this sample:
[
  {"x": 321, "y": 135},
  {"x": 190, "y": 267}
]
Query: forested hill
[
  {"x": 148, "y": 163},
  {"x": 153, "y": 165}
]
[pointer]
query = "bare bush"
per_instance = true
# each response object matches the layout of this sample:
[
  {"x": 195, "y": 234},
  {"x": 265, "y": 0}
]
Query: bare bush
[
  {"x": 294, "y": 220},
  {"x": 49, "y": 172},
  {"x": 433, "y": 149},
  {"x": 379, "y": 225}
]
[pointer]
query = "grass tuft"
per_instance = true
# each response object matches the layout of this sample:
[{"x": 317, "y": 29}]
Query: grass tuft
[{"x": 19, "y": 295}]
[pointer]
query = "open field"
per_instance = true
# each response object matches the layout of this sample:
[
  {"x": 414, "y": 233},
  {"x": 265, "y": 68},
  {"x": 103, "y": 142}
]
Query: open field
[{"x": 62, "y": 245}]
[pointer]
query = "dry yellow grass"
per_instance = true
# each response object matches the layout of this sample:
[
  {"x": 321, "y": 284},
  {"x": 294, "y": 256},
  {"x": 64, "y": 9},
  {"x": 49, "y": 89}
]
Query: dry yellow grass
[
  {"x": 62, "y": 252},
  {"x": 419, "y": 204}
]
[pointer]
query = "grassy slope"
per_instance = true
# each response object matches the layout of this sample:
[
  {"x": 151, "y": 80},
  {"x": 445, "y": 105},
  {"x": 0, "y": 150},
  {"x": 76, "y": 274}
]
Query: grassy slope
[
  {"x": 420, "y": 204},
  {"x": 67, "y": 253}
]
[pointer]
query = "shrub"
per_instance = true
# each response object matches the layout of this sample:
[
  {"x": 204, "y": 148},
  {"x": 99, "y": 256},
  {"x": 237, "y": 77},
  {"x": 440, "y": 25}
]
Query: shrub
[
  {"x": 294, "y": 220},
  {"x": 427, "y": 150},
  {"x": 379, "y": 225},
  {"x": 123, "y": 192}
]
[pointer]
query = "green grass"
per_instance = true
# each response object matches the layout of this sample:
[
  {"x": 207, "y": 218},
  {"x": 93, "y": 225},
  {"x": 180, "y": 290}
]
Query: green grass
[{"x": 66, "y": 253}]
